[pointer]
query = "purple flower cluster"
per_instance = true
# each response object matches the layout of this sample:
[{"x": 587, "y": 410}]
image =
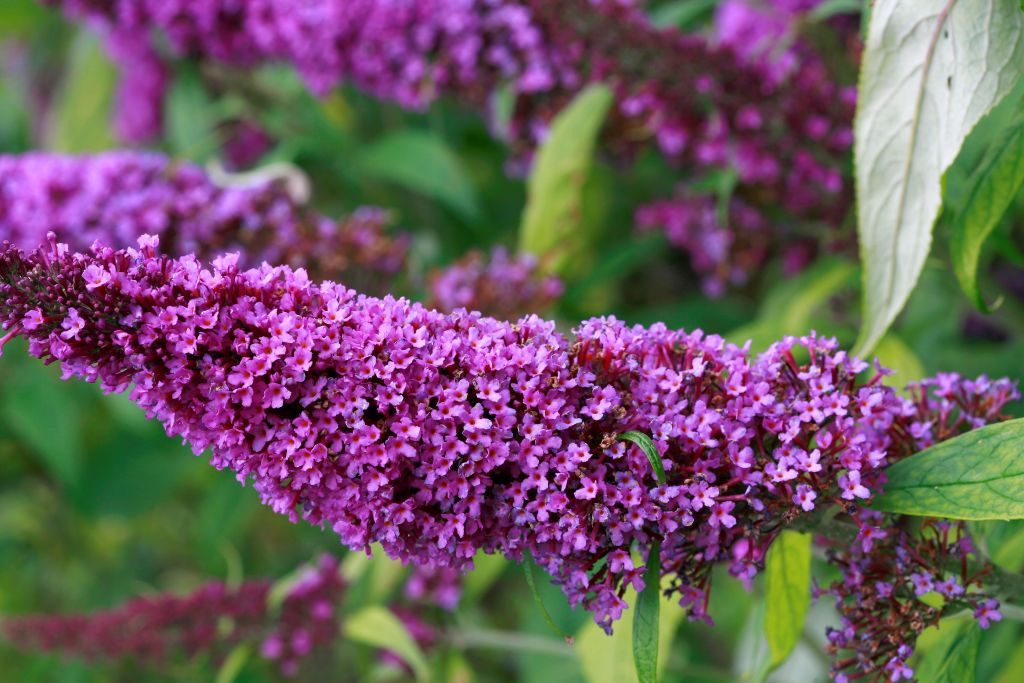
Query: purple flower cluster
[
  {"x": 115, "y": 197},
  {"x": 885, "y": 572},
  {"x": 150, "y": 629},
  {"x": 893, "y": 561},
  {"x": 502, "y": 286},
  {"x": 438, "y": 436},
  {"x": 210, "y": 620},
  {"x": 702, "y": 104}
]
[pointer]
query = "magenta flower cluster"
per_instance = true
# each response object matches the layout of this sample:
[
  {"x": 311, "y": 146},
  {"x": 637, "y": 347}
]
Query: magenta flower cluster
[
  {"x": 115, "y": 197},
  {"x": 502, "y": 285},
  {"x": 752, "y": 99},
  {"x": 441, "y": 435},
  {"x": 210, "y": 620},
  {"x": 884, "y": 574}
]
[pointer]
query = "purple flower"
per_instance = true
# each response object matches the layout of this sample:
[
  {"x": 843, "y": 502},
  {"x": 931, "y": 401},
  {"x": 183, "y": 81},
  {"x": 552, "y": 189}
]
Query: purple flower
[
  {"x": 987, "y": 612},
  {"x": 851, "y": 486}
]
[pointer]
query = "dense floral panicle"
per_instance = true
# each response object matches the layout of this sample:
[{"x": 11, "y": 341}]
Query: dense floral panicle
[
  {"x": 440, "y": 435},
  {"x": 153, "y": 629},
  {"x": 752, "y": 98},
  {"x": 210, "y": 620},
  {"x": 502, "y": 286},
  {"x": 115, "y": 197},
  {"x": 698, "y": 102},
  {"x": 885, "y": 571}
]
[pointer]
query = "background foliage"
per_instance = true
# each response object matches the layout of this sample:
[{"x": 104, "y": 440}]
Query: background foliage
[{"x": 97, "y": 505}]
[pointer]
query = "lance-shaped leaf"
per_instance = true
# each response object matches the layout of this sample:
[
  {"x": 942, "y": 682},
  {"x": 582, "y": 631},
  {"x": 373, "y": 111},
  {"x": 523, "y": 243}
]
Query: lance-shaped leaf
[
  {"x": 978, "y": 476},
  {"x": 647, "y": 446},
  {"x": 931, "y": 70},
  {"x": 646, "y": 620},
  {"x": 554, "y": 215},
  {"x": 787, "y": 592},
  {"x": 993, "y": 185},
  {"x": 377, "y": 627}
]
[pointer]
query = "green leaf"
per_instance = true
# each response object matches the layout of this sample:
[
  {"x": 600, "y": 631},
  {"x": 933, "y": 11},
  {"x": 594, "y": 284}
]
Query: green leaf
[
  {"x": 487, "y": 568},
  {"x": 1013, "y": 671},
  {"x": 421, "y": 161},
  {"x": 84, "y": 100},
  {"x": 554, "y": 214},
  {"x": 646, "y": 620},
  {"x": 44, "y": 413},
  {"x": 234, "y": 663},
  {"x": 787, "y": 592},
  {"x": 192, "y": 117},
  {"x": 647, "y": 446},
  {"x": 931, "y": 70},
  {"x": 683, "y": 14},
  {"x": 607, "y": 658},
  {"x": 378, "y": 627},
  {"x": 893, "y": 353},
  {"x": 976, "y": 476},
  {"x": 991, "y": 191},
  {"x": 528, "y": 565},
  {"x": 832, "y": 8},
  {"x": 790, "y": 306},
  {"x": 953, "y": 655},
  {"x": 20, "y": 17}
]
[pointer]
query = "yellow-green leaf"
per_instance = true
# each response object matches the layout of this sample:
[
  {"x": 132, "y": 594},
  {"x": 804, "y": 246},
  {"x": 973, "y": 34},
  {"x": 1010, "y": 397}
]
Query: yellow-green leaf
[
  {"x": 554, "y": 213},
  {"x": 608, "y": 659},
  {"x": 787, "y": 592},
  {"x": 84, "y": 99},
  {"x": 378, "y": 627}
]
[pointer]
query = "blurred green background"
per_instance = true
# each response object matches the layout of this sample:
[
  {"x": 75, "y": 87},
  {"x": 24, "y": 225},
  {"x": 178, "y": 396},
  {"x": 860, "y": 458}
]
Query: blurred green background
[{"x": 97, "y": 505}]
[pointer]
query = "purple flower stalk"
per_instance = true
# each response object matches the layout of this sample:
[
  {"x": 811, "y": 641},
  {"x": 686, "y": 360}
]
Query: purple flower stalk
[
  {"x": 441, "y": 435},
  {"x": 884, "y": 574},
  {"x": 502, "y": 286},
  {"x": 115, "y": 197},
  {"x": 210, "y": 620}
]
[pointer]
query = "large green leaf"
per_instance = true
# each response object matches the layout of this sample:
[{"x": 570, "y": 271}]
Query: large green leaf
[
  {"x": 646, "y": 621},
  {"x": 992, "y": 189},
  {"x": 976, "y": 476},
  {"x": 931, "y": 70},
  {"x": 192, "y": 117},
  {"x": 422, "y": 162},
  {"x": 44, "y": 413},
  {"x": 554, "y": 213},
  {"x": 787, "y": 592},
  {"x": 953, "y": 653},
  {"x": 378, "y": 627},
  {"x": 81, "y": 113},
  {"x": 20, "y": 17}
]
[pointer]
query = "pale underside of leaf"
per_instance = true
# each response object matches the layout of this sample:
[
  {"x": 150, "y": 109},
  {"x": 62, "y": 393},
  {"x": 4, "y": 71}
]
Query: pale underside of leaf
[{"x": 932, "y": 69}]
